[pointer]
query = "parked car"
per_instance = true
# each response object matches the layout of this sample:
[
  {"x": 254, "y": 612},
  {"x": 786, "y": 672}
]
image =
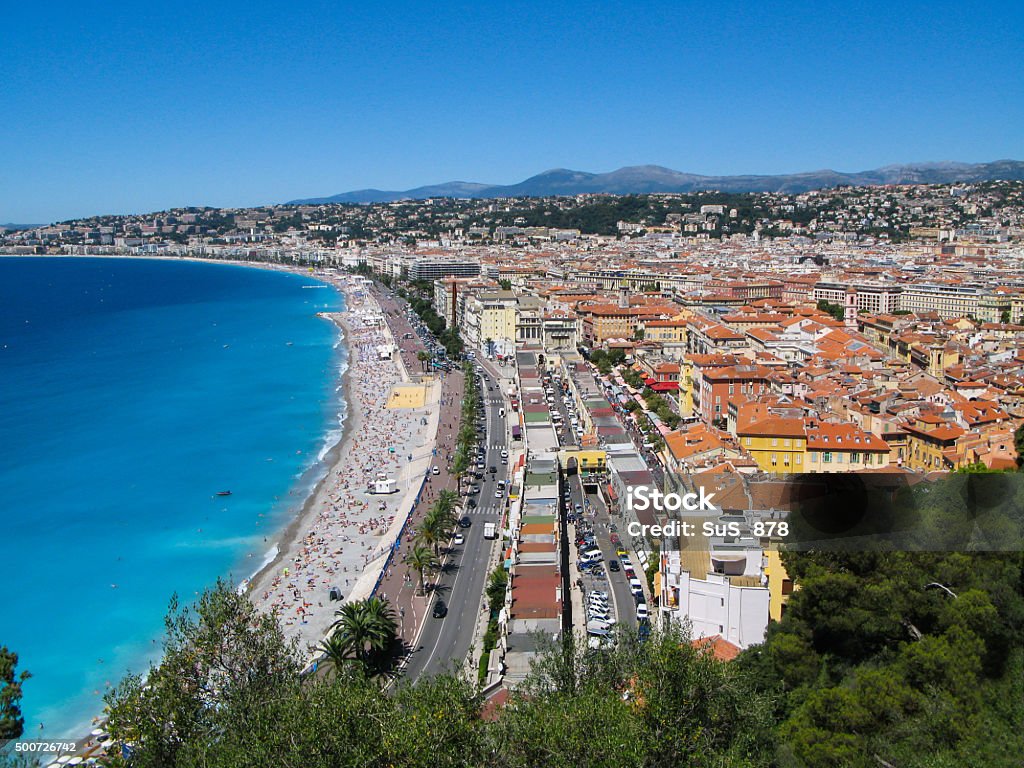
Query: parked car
[
  {"x": 465, "y": 522},
  {"x": 641, "y": 612}
]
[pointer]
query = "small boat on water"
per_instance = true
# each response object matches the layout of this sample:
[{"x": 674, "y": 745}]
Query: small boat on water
[{"x": 223, "y": 493}]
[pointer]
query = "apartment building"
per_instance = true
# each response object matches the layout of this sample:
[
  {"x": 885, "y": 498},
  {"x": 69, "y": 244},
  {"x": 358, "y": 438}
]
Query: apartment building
[
  {"x": 716, "y": 386},
  {"x": 873, "y": 298},
  {"x": 490, "y": 320},
  {"x": 946, "y": 300},
  {"x": 430, "y": 268}
]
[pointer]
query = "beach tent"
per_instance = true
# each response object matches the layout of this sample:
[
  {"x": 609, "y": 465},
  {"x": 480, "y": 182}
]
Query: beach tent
[{"x": 336, "y": 593}]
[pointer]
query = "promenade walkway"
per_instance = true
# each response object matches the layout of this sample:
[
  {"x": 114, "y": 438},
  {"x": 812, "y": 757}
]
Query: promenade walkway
[{"x": 398, "y": 584}]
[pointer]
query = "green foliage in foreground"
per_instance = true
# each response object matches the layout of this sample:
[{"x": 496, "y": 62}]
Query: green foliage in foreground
[
  {"x": 230, "y": 693},
  {"x": 11, "y": 721},
  {"x": 911, "y": 659},
  {"x": 914, "y": 661}
]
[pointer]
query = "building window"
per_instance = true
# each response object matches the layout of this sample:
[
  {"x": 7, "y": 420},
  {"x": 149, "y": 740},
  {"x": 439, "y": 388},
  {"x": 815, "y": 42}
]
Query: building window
[
  {"x": 827, "y": 457},
  {"x": 814, "y": 457},
  {"x": 855, "y": 458},
  {"x": 799, "y": 459},
  {"x": 750, "y": 441}
]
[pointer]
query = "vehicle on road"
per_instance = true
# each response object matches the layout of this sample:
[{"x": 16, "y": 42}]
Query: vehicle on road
[
  {"x": 613, "y": 566},
  {"x": 504, "y": 453},
  {"x": 490, "y": 531},
  {"x": 465, "y": 522},
  {"x": 641, "y": 612},
  {"x": 459, "y": 539},
  {"x": 636, "y": 587},
  {"x": 435, "y": 471},
  {"x": 440, "y": 610}
]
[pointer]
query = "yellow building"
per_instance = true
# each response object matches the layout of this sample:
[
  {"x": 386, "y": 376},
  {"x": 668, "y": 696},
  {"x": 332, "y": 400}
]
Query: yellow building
[
  {"x": 777, "y": 444},
  {"x": 666, "y": 331},
  {"x": 928, "y": 439},
  {"x": 587, "y": 459},
  {"x": 686, "y": 388},
  {"x": 843, "y": 448},
  {"x": 780, "y": 586},
  {"x": 492, "y": 316}
]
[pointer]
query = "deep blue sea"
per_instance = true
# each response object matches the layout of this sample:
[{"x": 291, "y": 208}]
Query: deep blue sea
[{"x": 131, "y": 392}]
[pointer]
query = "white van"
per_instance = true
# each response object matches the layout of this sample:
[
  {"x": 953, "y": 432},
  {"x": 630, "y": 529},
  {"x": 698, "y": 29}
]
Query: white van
[
  {"x": 501, "y": 411},
  {"x": 592, "y": 554},
  {"x": 490, "y": 531},
  {"x": 636, "y": 587}
]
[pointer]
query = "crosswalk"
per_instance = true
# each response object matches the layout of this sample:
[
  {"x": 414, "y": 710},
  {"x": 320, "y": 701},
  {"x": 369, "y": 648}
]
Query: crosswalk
[{"x": 483, "y": 511}]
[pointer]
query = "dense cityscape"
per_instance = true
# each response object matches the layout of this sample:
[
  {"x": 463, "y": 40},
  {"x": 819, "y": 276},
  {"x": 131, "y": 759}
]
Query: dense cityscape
[{"x": 721, "y": 347}]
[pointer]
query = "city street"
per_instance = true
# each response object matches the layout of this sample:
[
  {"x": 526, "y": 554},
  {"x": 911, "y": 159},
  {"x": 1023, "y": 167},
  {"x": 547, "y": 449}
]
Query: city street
[{"x": 445, "y": 642}]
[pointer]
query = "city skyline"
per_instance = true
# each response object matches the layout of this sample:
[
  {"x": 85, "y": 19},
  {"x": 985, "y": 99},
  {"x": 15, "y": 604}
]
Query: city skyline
[{"x": 139, "y": 109}]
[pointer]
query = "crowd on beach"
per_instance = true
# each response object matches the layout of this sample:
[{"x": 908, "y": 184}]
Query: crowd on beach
[{"x": 349, "y": 518}]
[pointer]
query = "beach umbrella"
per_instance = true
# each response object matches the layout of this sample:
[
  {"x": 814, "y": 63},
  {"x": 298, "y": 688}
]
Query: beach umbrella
[
  {"x": 75, "y": 760},
  {"x": 63, "y": 759},
  {"x": 97, "y": 732}
]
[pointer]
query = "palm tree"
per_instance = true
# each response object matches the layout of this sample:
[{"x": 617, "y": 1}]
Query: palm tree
[
  {"x": 435, "y": 528},
  {"x": 421, "y": 558},
  {"x": 422, "y": 357},
  {"x": 365, "y": 630},
  {"x": 336, "y": 647},
  {"x": 447, "y": 500}
]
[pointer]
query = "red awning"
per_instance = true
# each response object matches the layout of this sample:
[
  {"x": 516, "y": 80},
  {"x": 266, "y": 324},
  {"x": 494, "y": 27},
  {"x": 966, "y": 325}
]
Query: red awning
[
  {"x": 665, "y": 386},
  {"x": 648, "y": 381},
  {"x": 611, "y": 492}
]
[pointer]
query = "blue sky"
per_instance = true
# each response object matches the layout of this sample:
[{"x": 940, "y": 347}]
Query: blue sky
[{"x": 128, "y": 107}]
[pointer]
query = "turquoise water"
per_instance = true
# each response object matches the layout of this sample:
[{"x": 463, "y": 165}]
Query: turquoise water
[{"x": 131, "y": 392}]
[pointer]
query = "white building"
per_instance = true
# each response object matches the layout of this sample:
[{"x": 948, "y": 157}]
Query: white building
[{"x": 735, "y": 607}]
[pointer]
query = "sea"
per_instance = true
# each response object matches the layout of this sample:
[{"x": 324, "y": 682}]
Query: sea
[{"x": 132, "y": 393}]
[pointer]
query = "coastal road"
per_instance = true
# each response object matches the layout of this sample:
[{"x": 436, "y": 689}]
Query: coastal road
[
  {"x": 397, "y": 584},
  {"x": 445, "y": 643}
]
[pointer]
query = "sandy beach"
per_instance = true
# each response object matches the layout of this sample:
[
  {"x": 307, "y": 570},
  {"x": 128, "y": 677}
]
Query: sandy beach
[{"x": 343, "y": 533}]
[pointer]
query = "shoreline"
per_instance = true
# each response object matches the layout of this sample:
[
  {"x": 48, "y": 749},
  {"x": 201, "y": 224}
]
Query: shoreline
[
  {"x": 303, "y": 511},
  {"x": 346, "y": 419},
  {"x": 288, "y": 538},
  {"x": 341, "y": 533}
]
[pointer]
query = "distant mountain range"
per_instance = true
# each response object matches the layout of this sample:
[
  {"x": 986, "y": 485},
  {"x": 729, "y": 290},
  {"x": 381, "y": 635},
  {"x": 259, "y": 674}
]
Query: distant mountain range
[
  {"x": 640, "y": 179},
  {"x": 13, "y": 227}
]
